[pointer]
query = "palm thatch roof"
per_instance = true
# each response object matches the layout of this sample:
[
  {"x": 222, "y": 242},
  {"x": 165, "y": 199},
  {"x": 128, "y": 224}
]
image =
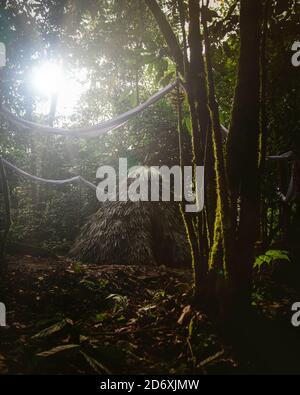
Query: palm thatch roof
[{"x": 136, "y": 233}]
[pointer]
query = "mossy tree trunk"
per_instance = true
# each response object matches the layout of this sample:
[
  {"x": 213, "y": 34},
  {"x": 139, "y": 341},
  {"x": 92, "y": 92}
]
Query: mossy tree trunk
[
  {"x": 193, "y": 72},
  {"x": 222, "y": 236}
]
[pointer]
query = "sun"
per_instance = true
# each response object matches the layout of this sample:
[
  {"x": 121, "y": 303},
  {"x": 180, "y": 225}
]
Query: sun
[
  {"x": 51, "y": 78},
  {"x": 48, "y": 78}
]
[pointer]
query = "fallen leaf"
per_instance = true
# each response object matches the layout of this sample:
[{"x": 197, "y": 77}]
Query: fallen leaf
[
  {"x": 56, "y": 350},
  {"x": 186, "y": 312}
]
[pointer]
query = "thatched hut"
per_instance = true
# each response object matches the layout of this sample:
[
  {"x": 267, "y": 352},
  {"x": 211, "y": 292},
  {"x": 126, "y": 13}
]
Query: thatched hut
[
  {"x": 127, "y": 232},
  {"x": 133, "y": 233}
]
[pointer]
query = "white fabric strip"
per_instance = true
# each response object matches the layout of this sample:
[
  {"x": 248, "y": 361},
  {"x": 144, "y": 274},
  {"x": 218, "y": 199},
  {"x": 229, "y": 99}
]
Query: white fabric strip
[
  {"x": 292, "y": 188},
  {"x": 48, "y": 181},
  {"x": 90, "y": 131},
  {"x": 286, "y": 155}
]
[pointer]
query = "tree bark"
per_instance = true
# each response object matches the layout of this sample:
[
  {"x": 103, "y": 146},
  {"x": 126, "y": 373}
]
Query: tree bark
[
  {"x": 231, "y": 242},
  {"x": 243, "y": 146},
  {"x": 168, "y": 34}
]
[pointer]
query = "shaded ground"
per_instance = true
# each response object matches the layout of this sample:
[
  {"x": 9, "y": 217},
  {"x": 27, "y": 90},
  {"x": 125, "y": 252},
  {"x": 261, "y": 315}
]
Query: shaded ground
[{"x": 66, "y": 317}]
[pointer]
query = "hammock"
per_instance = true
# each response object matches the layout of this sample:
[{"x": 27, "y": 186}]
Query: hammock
[
  {"x": 48, "y": 181},
  {"x": 90, "y": 131},
  {"x": 114, "y": 123},
  {"x": 292, "y": 188}
]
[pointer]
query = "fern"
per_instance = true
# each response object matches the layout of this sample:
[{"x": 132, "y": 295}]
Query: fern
[{"x": 269, "y": 257}]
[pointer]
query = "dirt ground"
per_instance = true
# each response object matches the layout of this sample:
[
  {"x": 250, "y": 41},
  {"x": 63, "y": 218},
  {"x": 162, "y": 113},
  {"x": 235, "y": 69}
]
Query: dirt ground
[{"x": 64, "y": 317}]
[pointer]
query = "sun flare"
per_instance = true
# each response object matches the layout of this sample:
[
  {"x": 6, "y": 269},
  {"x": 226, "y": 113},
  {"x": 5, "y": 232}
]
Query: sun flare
[{"x": 50, "y": 79}]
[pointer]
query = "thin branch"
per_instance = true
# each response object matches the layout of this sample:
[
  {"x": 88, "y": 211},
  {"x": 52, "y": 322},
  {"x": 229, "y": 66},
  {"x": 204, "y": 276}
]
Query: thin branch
[{"x": 168, "y": 34}]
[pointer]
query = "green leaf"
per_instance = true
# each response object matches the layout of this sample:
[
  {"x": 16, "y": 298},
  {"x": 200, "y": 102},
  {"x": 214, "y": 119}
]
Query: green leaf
[
  {"x": 91, "y": 285},
  {"x": 100, "y": 317},
  {"x": 278, "y": 254},
  {"x": 269, "y": 257},
  {"x": 102, "y": 283},
  {"x": 96, "y": 365},
  {"x": 53, "y": 328},
  {"x": 118, "y": 302},
  {"x": 167, "y": 78},
  {"x": 58, "y": 349}
]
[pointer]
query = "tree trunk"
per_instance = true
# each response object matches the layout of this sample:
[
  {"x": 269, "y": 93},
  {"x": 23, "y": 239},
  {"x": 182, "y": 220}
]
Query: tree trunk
[
  {"x": 231, "y": 243},
  {"x": 243, "y": 150}
]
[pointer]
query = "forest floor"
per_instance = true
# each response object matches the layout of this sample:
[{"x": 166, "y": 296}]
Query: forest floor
[{"x": 64, "y": 317}]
